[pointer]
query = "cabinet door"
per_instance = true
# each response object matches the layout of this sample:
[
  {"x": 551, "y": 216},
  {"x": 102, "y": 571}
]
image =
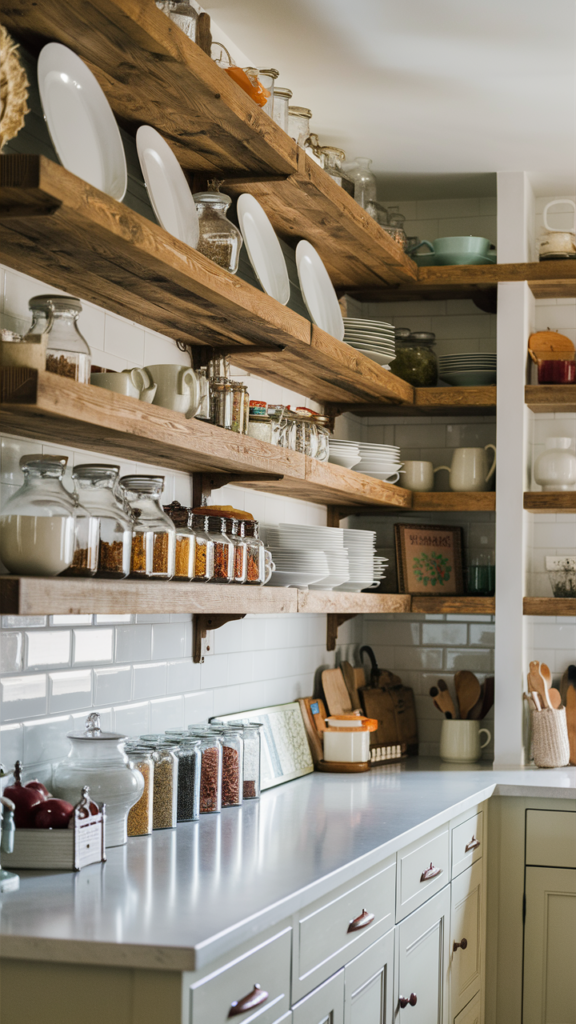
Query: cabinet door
[
  {"x": 325, "y": 1005},
  {"x": 369, "y": 984},
  {"x": 421, "y": 963},
  {"x": 471, "y": 1013},
  {"x": 549, "y": 946},
  {"x": 467, "y": 927}
]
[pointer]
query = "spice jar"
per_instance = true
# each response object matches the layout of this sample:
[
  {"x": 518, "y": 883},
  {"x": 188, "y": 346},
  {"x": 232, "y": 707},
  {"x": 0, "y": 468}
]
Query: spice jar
[
  {"x": 240, "y": 549},
  {"x": 251, "y": 763},
  {"x": 221, "y": 402},
  {"x": 210, "y": 772},
  {"x": 95, "y": 484},
  {"x": 219, "y": 366},
  {"x": 260, "y": 428},
  {"x": 223, "y": 550},
  {"x": 185, "y": 551},
  {"x": 37, "y": 526},
  {"x": 67, "y": 352},
  {"x": 189, "y": 773},
  {"x": 98, "y": 759},
  {"x": 255, "y": 558},
  {"x": 203, "y": 410},
  {"x": 154, "y": 533},
  {"x": 238, "y": 394},
  {"x": 299, "y": 125},
  {"x": 324, "y": 435},
  {"x": 416, "y": 360},
  {"x": 140, "y": 816},
  {"x": 267, "y": 77},
  {"x": 219, "y": 240},
  {"x": 303, "y": 436},
  {"x": 281, "y": 104},
  {"x": 165, "y": 794},
  {"x": 232, "y": 764},
  {"x": 277, "y": 414},
  {"x": 204, "y": 557},
  {"x": 182, "y": 14},
  {"x": 332, "y": 158}
]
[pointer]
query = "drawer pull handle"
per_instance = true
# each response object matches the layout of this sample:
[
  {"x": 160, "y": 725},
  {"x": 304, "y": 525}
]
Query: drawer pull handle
[
  {"x": 361, "y": 922},
  {"x": 472, "y": 845},
  {"x": 460, "y": 945},
  {"x": 408, "y": 1002},
  {"x": 255, "y": 998},
  {"x": 430, "y": 872}
]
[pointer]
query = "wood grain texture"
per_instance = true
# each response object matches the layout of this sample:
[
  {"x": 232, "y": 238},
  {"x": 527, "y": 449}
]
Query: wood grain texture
[
  {"x": 343, "y": 485},
  {"x": 546, "y": 280},
  {"x": 550, "y": 397},
  {"x": 550, "y": 606},
  {"x": 454, "y": 501},
  {"x": 339, "y": 602},
  {"x": 431, "y": 402},
  {"x": 550, "y": 501},
  {"x": 453, "y": 605}
]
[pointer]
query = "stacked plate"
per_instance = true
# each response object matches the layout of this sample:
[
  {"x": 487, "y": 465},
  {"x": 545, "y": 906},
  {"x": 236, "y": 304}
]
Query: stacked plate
[
  {"x": 307, "y": 556},
  {"x": 372, "y": 338},
  {"x": 365, "y": 567},
  {"x": 344, "y": 453},
  {"x": 472, "y": 369},
  {"x": 382, "y": 461}
]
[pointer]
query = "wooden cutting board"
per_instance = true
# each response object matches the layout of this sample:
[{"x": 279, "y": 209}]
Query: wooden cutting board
[
  {"x": 571, "y": 721},
  {"x": 335, "y": 693}
]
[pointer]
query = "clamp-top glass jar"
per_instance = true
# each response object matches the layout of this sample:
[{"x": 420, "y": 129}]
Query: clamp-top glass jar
[
  {"x": 324, "y": 435},
  {"x": 96, "y": 484},
  {"x": 67, "y": 352},
  {"x": 219, "y": 240},
  {"x": 154, "y": 533},
  {"x": 182, "y": 14},
  {"x": 416, "y": 360},
  {"x": 224, "y": 550},
  {"x": 332, "y": 158},
  {"x": 204, "y": 546},
  {"x": 185, "y": 555}
]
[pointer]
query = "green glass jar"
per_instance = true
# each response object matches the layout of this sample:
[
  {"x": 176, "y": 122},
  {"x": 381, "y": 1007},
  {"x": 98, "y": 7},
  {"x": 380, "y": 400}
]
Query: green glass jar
[{"x": 416, "y": 360}]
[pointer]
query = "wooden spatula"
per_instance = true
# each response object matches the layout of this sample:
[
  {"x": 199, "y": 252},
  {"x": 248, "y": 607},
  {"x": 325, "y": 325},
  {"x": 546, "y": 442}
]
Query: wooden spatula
[
  {"x": 444, "y": 699},
  {"x": 537, "y": 685},
  {"x": 554, "y": 696},
  {"x": 354, "y": 678},
  {"x": 467, "y": 691},
  {"x": 488, "y": 699},
  {"x": 571, "y": 721},
  {"x": 434, "y": 693}
]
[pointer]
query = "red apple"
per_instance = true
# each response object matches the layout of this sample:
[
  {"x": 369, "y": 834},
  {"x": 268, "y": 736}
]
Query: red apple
[
  {"x": 25, "y": 799},
  {"x": 35, "y": 784},
  {"x": 53, "y": 813}
]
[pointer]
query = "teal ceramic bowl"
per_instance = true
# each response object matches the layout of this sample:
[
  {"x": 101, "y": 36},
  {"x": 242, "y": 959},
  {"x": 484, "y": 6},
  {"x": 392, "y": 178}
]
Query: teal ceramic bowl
[{"x": 464, "y": 244}]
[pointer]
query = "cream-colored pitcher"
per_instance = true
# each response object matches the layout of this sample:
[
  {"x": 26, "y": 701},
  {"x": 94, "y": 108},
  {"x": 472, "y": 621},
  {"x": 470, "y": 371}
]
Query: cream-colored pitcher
[
  {"x": 177, "y": 387},
  {"x": 469, "y": 470}
]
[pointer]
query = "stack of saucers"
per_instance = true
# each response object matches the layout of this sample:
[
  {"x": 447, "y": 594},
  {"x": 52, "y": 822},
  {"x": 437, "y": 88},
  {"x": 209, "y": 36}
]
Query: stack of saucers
[
  {"x": 473, "y": 369},
  {"x": 344, "y": 453},
  {"x": 381, "y": 461},
  {"x": 372, "y": 338},
  {"x": 366, "y": 569},
  {"x": 302, "y": 551}
]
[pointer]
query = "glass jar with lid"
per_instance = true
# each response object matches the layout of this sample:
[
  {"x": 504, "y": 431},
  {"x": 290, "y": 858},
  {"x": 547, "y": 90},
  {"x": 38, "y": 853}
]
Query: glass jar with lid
[
  {"x": 189, "y": 774},
  {"x": 182, "y": 14},
  {"x": 98, "y": 759},
  {"x": 332, "y": 158},
  {"x": 140, "y": 816},
  {"x": 324, "y": 435},
  {"x": 96, "y": 485},
  {"x": 219, "y": 240},
  {"x": 302, "y": 432},
  {"x": 218, "y": 366},
  {"x": 251, "y": 763},
  {"x": 204, "y": 544},
  {"x": 260, "y": 428},
  {"x": 154, "y": 533},
  {"x": 165, "y": 794},
  {"x": 267, "y": 77},
  {"x": 282, "y": 99},
  {"x": 232, "y": 763},
  {"x": 67, "y": 352},
  {"x": 239, "y": 394},
  {"x": 364, "y": 182},
  {"x": 277, "y": 414},
  {"x": 299, "y": 125},
  {"x": 255, "y": 559},
  {"x": 203, "y": 410},
  {"x": 38, "y": 523},
  {"x": 415, "y": 360},
  {"x": 221, "y": 402},
  {"x": 224, "y": 550},
  {"x": 210, "y": 771},
  {"x": 185, "y": 551}
]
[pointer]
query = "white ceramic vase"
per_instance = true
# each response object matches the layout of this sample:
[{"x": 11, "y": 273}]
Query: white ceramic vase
[{"x": 555, "y": 469}]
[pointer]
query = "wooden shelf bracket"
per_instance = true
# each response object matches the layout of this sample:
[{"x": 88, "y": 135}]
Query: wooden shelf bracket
[
  {"x": 201, "y": 624},
  {"x": 333, "y": 622}
]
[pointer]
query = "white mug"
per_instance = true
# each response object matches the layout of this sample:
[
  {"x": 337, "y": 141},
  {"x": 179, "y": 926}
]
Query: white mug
[
  {"x": 460, "y": 741},
  {"x": 469, "y": 470},
  {"x": 134, "y": 383},
  {"x": 177, "y": 387},
  {"x": 419, "y": 476}
]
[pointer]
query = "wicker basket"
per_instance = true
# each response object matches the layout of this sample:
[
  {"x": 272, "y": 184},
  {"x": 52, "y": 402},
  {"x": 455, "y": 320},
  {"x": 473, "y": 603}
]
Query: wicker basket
[{"x": 550, "y": 744}]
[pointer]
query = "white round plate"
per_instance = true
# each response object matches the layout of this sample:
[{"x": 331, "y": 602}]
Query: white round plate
[
  {"x": 167, "y": 187},
  {"x": 318, "y": 291},
  {"x": 82, "y": 126},
  {"x": 380, "y": 324},
  {"x": 345, "y": 461},
  {"x": 263, "y": 248}
]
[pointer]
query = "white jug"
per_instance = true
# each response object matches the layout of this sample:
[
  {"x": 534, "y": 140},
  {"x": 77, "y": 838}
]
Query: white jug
[
  {"x": 134, "y": 383},
  {"x": 555, "y": 469},
  {"x": 177, "y": 387},
  {"x": 469, "y": 470}
]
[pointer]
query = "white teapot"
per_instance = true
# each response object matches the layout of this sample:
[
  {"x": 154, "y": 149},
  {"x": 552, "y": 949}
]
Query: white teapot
[{"x": 555, "y": 469}]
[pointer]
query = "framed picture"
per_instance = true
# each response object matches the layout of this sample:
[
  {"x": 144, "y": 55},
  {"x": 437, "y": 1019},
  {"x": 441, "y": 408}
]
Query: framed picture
[
  {"x": 285, "y": 753},
  {"x": 429, "y": 559}
]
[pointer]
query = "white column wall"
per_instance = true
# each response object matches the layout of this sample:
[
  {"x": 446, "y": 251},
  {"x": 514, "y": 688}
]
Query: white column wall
[{"x": 516, "y": 242}]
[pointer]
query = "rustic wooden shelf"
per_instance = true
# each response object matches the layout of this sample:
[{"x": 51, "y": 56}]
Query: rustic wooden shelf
[
  {"x": 550, "y": 397},
  {"x": 338, "y": 602},
  {"x": 550, "y": 279},
  {"x": 454, "y": 605},
  {"x": 454, "y": 501},
  {"x": 432, "y": 402},
  {"x": 550, "y": 501},
  {"x": 50, "y": 408},
  {"x": 58, "y": 228},
  {"x": 550, "y": 606}
]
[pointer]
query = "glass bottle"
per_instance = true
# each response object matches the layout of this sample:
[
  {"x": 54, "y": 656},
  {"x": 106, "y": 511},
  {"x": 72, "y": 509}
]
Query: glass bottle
[
  {"x": 364, "y": 182},
  {"x": 182, "y": 14},
  {"x": 67, "y": 352},
  {"x": 154, "y": 533},
  {"x": 140, "y": 816},
  {"x": 219, "y": 240},
  {"x": 232, "y": 762},
  {"x": 255, "y": 567},
  {"x": 37, "y": 525},
  {"x": 185, "y": 551},
  {"x": 223, "y": 550},
  {"x": 221, "y": 402},
  {"x": 219, "y": 366},
  {"x": 267, "y": 78},
  {"x": 96, "y": 484},
  {"x": 415, "y": 360},
  {"x": 299, "y": 125},
  {"x": 211, "y": 771},
  {"x": 251, "y": 762},
  {"x": 203, "y": 411},
  {"x": 204, "y": 546},
  {"x": 246, "y": 409},
  {"x": 324, "y": 435},
  {"x": 238, "y": 392},
  {"x": 165, "y": 795},
  {"x": 282, "y": 99},
  {"x": 332, "y": 158}
]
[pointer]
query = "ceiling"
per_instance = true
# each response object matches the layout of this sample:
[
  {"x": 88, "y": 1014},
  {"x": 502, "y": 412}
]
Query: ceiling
[{"x": 441, "y": 94}]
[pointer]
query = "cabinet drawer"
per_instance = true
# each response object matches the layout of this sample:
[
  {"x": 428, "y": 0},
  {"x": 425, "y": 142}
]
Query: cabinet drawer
[
  {"x": 551, "y": 838},
  {"x": 471, "y": 1013},
  {"x": 325, "y": 1005},
  {"x": 423, "y": 869},
  {"x": 467, "y": 843},
  {"x": 334, "y": 929},
  {"x": 266, "y": 966}
]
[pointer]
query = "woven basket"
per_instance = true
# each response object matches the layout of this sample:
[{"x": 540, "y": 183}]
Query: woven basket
[{"x": 550, "y": 744}]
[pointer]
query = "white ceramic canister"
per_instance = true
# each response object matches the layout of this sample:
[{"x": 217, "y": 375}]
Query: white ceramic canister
[
  {"x": 460, "y": 741},
  {"x": 555, "y": 469},
  {"x": 97, "y": 759},
  {"x": 346, "y": 745}
]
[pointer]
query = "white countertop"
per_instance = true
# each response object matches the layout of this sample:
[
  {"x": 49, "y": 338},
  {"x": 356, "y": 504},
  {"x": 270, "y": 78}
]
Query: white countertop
[{"x": 180, "y": 898}]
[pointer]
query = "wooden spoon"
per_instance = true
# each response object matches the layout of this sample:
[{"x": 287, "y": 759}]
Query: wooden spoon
[
  {"x": 571, "y": 721},
  {"x": 434, "y": 693},
  {"x": 444, "y": 699},
  {"x": 537, "y": 685},
  {"x": 468, "y": 692},
  {"x": 488, "y": 701}
]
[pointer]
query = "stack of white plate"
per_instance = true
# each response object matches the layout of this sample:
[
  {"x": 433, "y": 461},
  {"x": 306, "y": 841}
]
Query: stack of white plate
[
  {"x": 473, "y": 369},
  {"x": 307, "y": 556},
  {"x": 366, "y": 569},
  {"x": 344, "y": 453},
  {"x": 382, "y": 461},
  {"x": 372, "y": 338}
]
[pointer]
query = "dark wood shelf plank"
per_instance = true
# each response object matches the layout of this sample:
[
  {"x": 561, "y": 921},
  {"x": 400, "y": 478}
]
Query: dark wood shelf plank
[
  {"x": 550, "y": 606},
  {"x": 343, "y": 602},
  {"x": 556, "y": 279},
  {"x": 550, "y": 397},
  {"x": 453, "y": 605},
  {"x": 550, "y": 501},
  {"x": 432, "y": 402},
  {"x": 454, "y": 501}
]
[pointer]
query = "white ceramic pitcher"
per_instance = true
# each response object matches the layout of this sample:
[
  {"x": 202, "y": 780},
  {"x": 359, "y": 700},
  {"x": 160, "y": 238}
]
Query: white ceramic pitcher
[
  {"x": 469, "y": 470},
  {"x": 134, "y": 383},
  {"x": 177, "y": 387}
]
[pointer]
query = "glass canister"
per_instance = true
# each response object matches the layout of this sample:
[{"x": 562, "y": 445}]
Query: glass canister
[
  {"x": 221, "y": 402},
  {"x": 260, "y": 428},
  {"x": 219, "y": 366},
  {"x": 185, "y": 552},
  {"x": 364, "y": 182},
  {"x": 140, "y": 816},
  {"x": 416, "y": 360},
  {"x": 299, "y": 125},
  {"x": 154, "y": 533},
  {"x": 324, "y": 435},
  {"x": 251, "y": 764},
  {"x": 267, "y": 78},
  {"x": 219, "y": 240},
  {"x": 224, "y": 550},
  {"x": 282, "y": 99},
  {"x": 211, "y": 771},
  {"x": 240, "y": 549},
  {"x": 189, "y": 775},
  {"x": 303, "y": 433},
  {"x": 232, "y": 763},
  {"x": 96, "y": 484},
  {"x": 332, "y": 158},
  {"x": 255, "y": 558},
  {"x": 203, "y": 411},
  {"x": 98, "y": 759},
  {"x": 37, "y": 525},
  {"x": 277, "y": 414},
  {"x": 238, "y": 394},
  {"x": 165, "y": 795},
  {"x": 182, "y": 14},
  {"x": 67, "y": 352},
  {"x": 204, "y": 558}
]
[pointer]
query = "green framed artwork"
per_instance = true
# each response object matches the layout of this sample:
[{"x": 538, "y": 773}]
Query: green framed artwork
[{"x": 429, "y": 559}]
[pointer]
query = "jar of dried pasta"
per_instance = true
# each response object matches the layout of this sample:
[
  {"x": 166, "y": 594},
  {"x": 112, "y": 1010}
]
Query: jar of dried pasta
[
  {"x": 154, "y": 533},
  {"x": 203, "y": 546}
]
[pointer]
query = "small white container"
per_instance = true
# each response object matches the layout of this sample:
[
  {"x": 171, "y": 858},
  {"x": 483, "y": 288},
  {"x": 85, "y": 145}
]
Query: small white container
[
  {"x": 555, "y": 469},
  {"x": 346, "y": 745}
]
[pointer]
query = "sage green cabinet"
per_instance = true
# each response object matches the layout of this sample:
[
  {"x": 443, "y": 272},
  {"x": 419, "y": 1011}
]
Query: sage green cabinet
[
  {"x": 466, "y": 936},
  {"x": 550, "y": 946},
  {"x": 422, "y": 963},
  {"x": 325, "y": 1005},
  {"x": 369, "y": 984}
]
